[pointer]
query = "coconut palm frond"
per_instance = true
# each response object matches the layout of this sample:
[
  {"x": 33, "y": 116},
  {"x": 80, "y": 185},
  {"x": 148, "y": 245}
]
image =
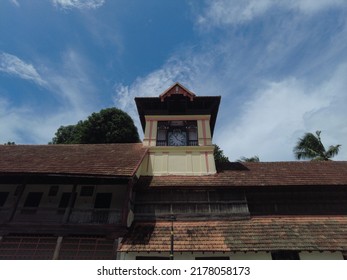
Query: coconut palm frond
[
  {"x": 308, "y": 146},
  {"x": 311, "y": 147},
  {"x": 333, "y": 151}
]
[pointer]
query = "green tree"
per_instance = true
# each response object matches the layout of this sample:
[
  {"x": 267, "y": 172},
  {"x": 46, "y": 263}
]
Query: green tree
[
  {"x": 251, "y": 159},
  {"x": 70, "y": 134},
  {"x": 311, "y": 147},
  {"x": 219, "y": 156},
  {"x": 110, "y": 125}
]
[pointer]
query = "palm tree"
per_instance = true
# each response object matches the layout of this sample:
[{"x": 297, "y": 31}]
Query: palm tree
[
  {"x": 310, "y": 147},
  {"x": 251, "y": 159}
]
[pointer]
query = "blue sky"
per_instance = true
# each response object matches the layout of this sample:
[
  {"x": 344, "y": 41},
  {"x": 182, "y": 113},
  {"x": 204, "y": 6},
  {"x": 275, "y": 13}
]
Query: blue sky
[{"x": 280, "y": 66}]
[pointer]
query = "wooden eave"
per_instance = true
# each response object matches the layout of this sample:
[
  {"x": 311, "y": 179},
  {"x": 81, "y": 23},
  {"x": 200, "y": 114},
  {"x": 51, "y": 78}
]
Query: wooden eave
[
  {"x": 201, "y": 105},
  {"x": 177, "y": 88}
]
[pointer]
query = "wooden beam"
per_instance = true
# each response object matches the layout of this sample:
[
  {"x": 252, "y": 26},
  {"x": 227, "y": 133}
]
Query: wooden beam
[
  {"x": 15, "y": 205},
  {"x": 57, "y": 248},
  {"x": 70, "y": 205}
]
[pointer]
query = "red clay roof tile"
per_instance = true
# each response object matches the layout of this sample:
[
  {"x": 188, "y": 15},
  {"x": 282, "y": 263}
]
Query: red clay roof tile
[
  {"x": 260, "y": 174},
  {"x": 85, "y": 159},
  {"x": 256, "y": 234}
]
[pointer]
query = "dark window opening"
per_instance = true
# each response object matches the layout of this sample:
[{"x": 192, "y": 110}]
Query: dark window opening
[
  {"x": 103, "y": 200},
  {"x": 285, "y": 255},
  {"x": 33, "y": 199},
  {"x": 53, "y": 190},
  {"x": 87, "y": 191},
  {"x": 3, "y": 197},
  {"x": 64, "y": 200},
  {"x": 325, "y": 201},
  {"x": 101, "y": 205}
]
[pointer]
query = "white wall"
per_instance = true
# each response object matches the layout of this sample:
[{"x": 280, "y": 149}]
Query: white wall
[{"x": 320, "y": 255}]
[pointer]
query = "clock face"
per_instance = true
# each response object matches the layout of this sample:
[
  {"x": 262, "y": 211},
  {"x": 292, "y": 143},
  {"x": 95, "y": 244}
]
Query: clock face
[{"x": 177, "y": 138}]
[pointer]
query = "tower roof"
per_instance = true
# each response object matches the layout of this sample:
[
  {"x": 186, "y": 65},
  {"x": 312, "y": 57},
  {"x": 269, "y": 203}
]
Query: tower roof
[
  {"x": 176, "y": 89},
  {"x": 178, "y": 100}
]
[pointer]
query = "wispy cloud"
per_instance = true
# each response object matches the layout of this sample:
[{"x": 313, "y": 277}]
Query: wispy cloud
[
  {"x": 78, "y": 4},
  {"x": 15, "y": 2},
  {"x": 23, "y": 124},
  {"x": 151, "y": 85},
  {"x": 14, "y": 66},
  {"x": 70, "y": 85},
  {"x": 276, "y": 84},
  {"x": 72, "y": 82},
  {"x": 225, "y": 12},
  {"x": 271, "y": 122}
]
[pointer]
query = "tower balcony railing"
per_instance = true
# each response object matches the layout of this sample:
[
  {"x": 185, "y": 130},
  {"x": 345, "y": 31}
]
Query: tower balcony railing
[
  {"x": 189, "y": 143},
  {"x": 161, "y": 143},
  {"x": 193, "y": 143}
]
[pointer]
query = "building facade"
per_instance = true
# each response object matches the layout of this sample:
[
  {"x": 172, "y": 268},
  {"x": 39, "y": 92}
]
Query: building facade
[{"x": 166, "y": 197}]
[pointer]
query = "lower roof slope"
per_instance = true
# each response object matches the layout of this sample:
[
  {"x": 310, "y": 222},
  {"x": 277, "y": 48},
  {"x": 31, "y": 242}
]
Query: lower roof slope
[
  {"x": 123, "y": 160},
  {"x": 116, "y": 160},
  {"x": 294, "y": 173},
  {"x": 308, "y": 233}
]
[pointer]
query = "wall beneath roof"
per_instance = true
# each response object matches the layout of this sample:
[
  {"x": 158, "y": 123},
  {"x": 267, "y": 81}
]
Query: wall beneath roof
[{"x": 184, "y": 160}]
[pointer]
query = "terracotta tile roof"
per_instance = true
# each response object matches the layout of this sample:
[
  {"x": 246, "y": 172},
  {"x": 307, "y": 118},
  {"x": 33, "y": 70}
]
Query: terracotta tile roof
[
  {"x": 260, "y": 174},
  {"x": 257, "y": 234},
  {"x": 87, "y": 159}
]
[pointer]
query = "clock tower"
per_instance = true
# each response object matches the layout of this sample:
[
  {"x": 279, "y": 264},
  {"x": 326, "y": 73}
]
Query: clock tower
[{"x": 178, "y": 128}]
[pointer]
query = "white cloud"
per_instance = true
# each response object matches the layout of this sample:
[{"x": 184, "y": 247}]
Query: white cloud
[
  {"x": 225, "y": 12},
  {"x": 70, "y": 85},
  {"x": 311, "y": 6},
  {"x": 78, "y": 4},
  {"x": 13, "y": 65},
  {"x": 24, "y": 124},
  {"x": 72, "y": 82},
  {"x": 151, "y": 85},
  {"x": 261, "y": 116},
  {"x": 276, "y": 116},
  {"x": 15, "y": 2},
  {"x": 11, "y": 121}
]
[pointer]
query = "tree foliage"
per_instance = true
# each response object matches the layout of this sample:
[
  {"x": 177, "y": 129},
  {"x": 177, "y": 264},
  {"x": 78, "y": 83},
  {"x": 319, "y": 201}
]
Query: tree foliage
[
  {"x": 311, "y": 147},
  {"x": 110, "y": 125},
  {"x": 219, "y": 156},
  {"x": 251, "y": 159}
]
